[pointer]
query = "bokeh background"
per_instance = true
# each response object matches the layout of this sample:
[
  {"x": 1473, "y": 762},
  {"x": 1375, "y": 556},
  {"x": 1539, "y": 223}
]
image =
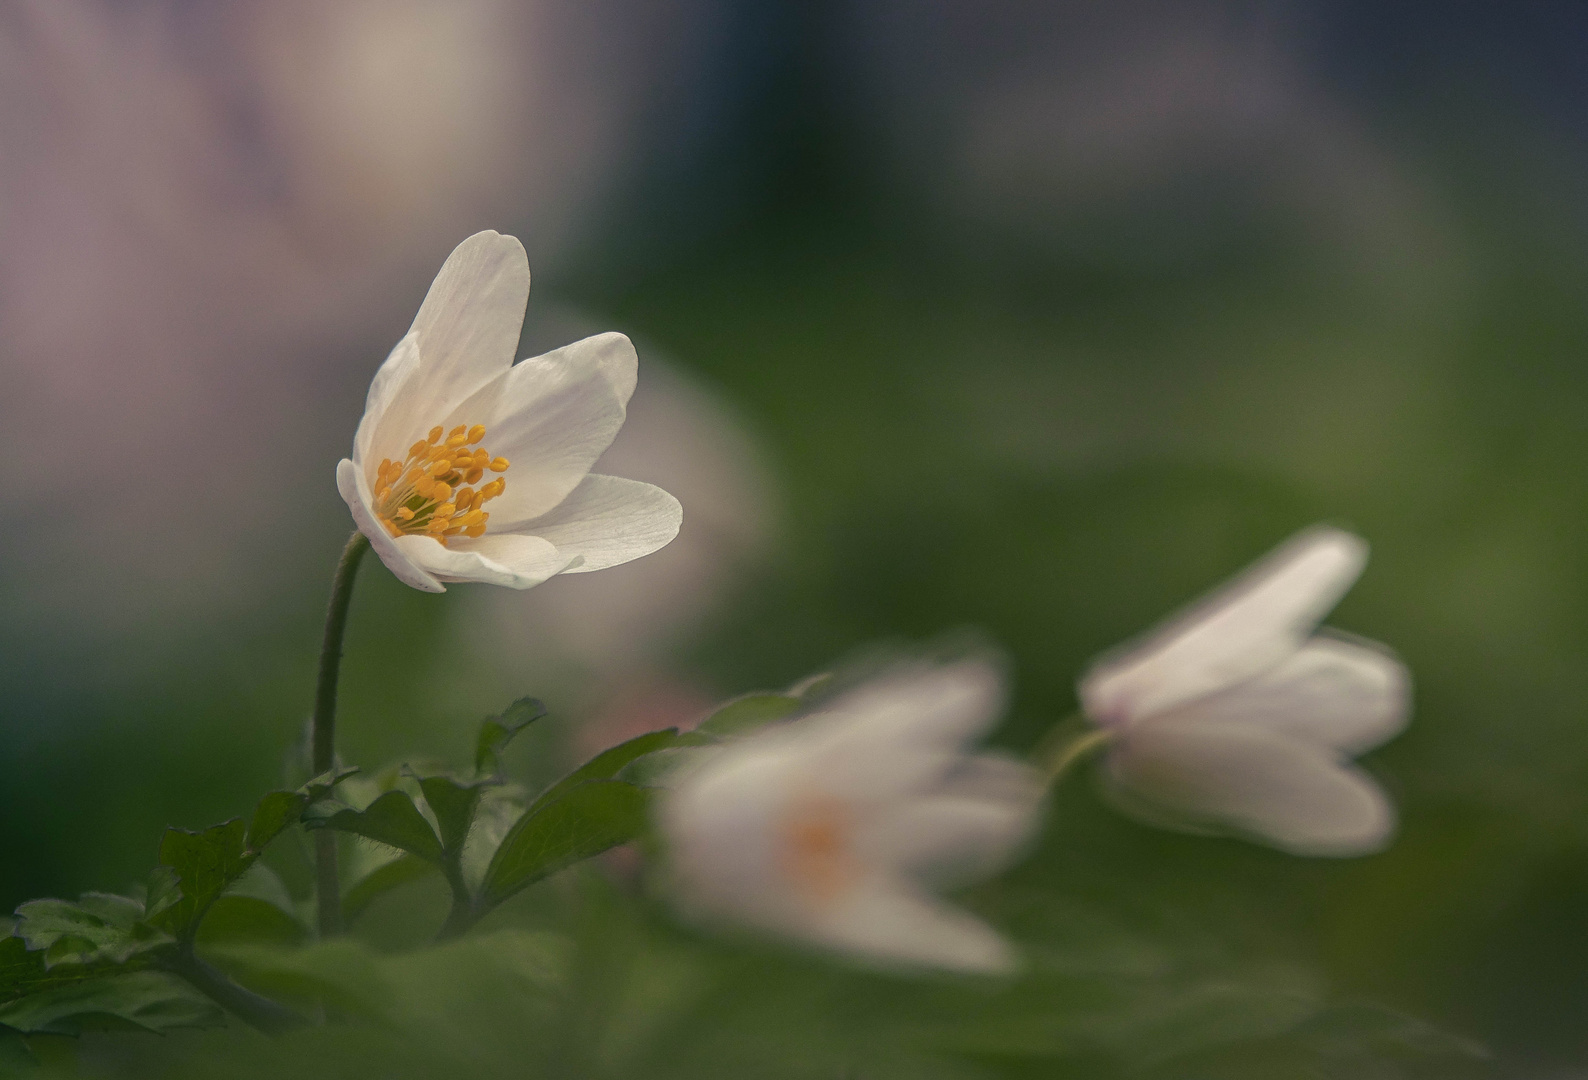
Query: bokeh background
[{"x": 1037, "y": 317}]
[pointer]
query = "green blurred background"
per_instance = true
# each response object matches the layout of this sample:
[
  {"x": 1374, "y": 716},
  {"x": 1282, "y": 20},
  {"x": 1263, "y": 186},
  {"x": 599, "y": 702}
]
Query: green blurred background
[{"x": 1037, "y": 318}]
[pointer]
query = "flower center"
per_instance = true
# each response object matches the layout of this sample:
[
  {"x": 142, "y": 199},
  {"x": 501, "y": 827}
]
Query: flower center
[
  {"x": 427, "y": 493},
  {"x": 815, "y": 847}
]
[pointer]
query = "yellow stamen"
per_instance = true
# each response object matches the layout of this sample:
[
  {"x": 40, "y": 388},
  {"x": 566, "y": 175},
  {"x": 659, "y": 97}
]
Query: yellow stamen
[{"x": 424, "y": 495}]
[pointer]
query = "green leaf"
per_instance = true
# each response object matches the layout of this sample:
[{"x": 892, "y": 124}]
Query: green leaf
[
  {"x": 453, "y": 804},
  {"x": 205, "y": 863},
  {"x": 102, "y": 928},
  {"x": 392, "y": 819},
  {"x": 22, "y": 971},
  {"x": 234, "y": 919},
  {"x": 320, "y": 786},
  {"x": 16, "y": 1056},
  {"x": 145, "y": 1000},
  {"x": 164, "y": 889},
  {"x": 274, "y": 813},
  {"x": 607, "y": 764},
  {"x": 400, "y": 871},
  {"x": 584, "y": 822},
  {"x": 498, "y": 731},
  {"x": 744, "y": 714},
  {"x": 279, "y": 809}
]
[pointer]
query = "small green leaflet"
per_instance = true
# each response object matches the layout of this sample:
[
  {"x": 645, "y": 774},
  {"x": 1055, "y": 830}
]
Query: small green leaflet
[
  {"x": 143, "y": 1000},
  {"x": 498, "y": 731},
  {"x": 392, "y": 819},
  {"x": 582, "y": 823},
  {"x": 745, "y": 714},
  {"x": 99, "y": 928}
]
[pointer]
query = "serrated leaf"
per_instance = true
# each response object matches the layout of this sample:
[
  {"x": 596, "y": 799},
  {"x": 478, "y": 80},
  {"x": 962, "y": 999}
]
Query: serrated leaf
[
  {"x": 584, "y": 822},
  {"x": 164, "y": 889},
  {"x": 146, "y": 1000},
  {"x": 607, "y": 764},
  {"x": 320, "y": 786},
  {"x": 205, "y": 862},
  {"x": 497, "y": 731},
  {"x": 744, "y": 714},
  {"x": 393, "y": 820},
  {"x": 400, "y": 871},
  {"x": 453, "y": 804},
  {"x": 274, "y": 813},
  {"x": 23, "y": 972},
  {"x": 105, "y": 929}
]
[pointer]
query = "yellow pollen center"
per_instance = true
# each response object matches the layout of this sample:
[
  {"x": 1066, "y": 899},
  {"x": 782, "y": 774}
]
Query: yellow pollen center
[
  {"x": 815, "y": 852},
  {"x": 430, "y": 492}
]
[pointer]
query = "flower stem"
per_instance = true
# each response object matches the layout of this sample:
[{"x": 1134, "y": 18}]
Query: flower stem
[
  {"x": 1061, "y": 750},
  {"x": 258, "y": 1012},
  {"x": 323, "y": 727}
]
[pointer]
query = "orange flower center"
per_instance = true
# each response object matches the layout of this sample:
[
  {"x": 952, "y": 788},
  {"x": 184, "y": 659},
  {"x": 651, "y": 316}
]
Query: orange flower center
[
  {"x": 814, "y": 852},
  {"x": 429, "y": 493}
]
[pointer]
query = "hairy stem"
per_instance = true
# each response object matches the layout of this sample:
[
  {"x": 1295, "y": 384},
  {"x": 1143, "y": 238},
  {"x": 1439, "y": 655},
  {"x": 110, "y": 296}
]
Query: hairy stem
[
  {"x": 257, "y": 1011},
  {"x": 323, "y": 727}
]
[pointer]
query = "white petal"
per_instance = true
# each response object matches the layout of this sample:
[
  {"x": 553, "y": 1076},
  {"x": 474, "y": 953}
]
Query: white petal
[
  {"x": 551, "y": 417},
  {"x": 903, "y": 730},
  {"x": 1345, "y": 694},
  {"x": 510, "y": 559},
  {"x": 888, "y": 921},
  {"x": 614, "y": 354},
  {"x": 355, "y": 491},
  {"x": 468, "y": 329},
  {"x": 608, "y": 520},
  {"x": 1247, "y": 626},
  {"x": 1251, "y": 782},
  {"x": 383, "y": 390},
  {"x": 949, "y": 839}
]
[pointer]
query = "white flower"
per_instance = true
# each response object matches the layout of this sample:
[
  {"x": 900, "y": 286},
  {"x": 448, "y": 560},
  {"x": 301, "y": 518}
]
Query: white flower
[
  {"x": 417, "y": 481},
  {"x": 834, "y": 828},
  {"x": 1236, "y": 717}
]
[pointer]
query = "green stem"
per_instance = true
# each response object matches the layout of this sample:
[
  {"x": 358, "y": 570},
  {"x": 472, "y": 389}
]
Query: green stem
[
  {"x": 465, "y": 912},
  {"x": 323, "y": 727},
  {"x": 258, "y": 1012},
  {"x": 1060, "y": 751}
]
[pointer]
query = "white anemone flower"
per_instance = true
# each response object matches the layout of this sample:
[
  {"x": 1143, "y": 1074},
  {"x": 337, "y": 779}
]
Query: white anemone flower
[
  {"x": 1236, "y": 717},
  {"x": 416, "y": 482},
  {"x": 836, "y": 827}
]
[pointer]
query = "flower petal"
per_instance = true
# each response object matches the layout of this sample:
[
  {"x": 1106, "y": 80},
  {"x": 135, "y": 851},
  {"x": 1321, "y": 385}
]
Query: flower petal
[
  {"x": 393, "y": 375},
  {"x": 950, "y": 839},
  {"x": 1246, "y": 780},
  {"x": 903, "y": 730},
  {"x": 1348, "y": 695},
  {"x": 510, "y": 559},
  {"x": 887, "y": 920},
  {"x": 551, "y": 416},
  {"x": 608, "y": 520},
  {"x": 468, "y": 329},
  {"x": 1247, "y": 626},
  {"x": 350, "y": 481}
]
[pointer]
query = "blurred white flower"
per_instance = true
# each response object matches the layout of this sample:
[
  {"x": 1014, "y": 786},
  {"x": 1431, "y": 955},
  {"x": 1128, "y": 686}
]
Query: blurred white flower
[
  {"x": 835, "y": 827},
  {"x": 449, "y": 385},
  {"x": 1236, "y": 717}
]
